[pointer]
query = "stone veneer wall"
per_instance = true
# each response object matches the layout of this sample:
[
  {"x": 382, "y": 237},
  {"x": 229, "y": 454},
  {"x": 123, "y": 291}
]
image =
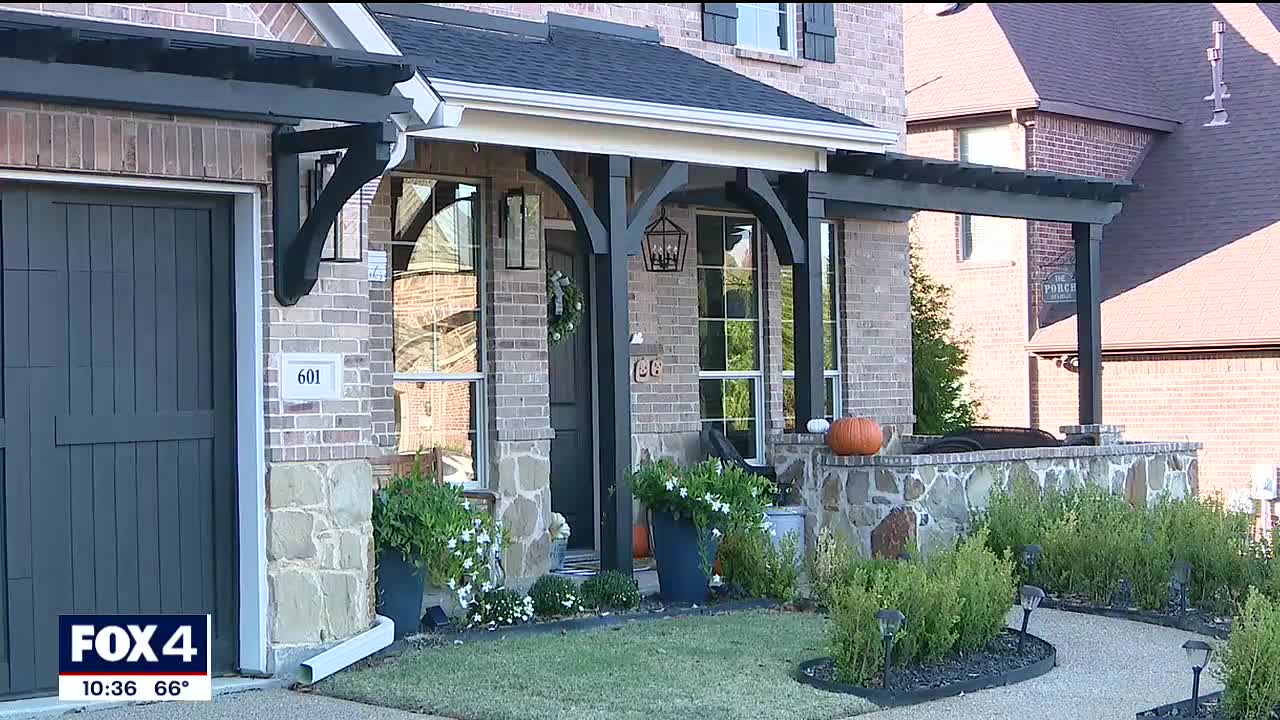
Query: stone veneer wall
[{"x": 884, "y": 502}]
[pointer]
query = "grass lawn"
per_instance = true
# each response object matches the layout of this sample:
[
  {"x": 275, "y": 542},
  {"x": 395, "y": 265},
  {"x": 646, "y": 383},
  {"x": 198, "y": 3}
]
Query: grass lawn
[{"x": 725, "y": 667}]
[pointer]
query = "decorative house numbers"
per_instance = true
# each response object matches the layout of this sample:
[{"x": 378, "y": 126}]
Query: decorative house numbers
[
  {"x": 646, "y": 363},
  {"x": 311, "y": 376}
]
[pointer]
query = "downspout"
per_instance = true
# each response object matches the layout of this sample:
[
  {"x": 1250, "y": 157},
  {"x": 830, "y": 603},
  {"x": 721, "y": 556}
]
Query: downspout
[{"x": 349, "y": 652}]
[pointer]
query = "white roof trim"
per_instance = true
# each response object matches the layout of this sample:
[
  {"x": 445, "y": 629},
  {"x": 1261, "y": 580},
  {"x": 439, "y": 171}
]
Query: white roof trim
[{"x": 614, "y": 111}]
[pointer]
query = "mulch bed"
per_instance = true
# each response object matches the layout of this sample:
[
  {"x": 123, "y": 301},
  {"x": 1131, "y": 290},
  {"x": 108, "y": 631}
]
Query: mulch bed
[
  {"x": 999, "y": 663},
  {"x": 1190, "y": 620},
  {"x": 1210, "y": 709}
]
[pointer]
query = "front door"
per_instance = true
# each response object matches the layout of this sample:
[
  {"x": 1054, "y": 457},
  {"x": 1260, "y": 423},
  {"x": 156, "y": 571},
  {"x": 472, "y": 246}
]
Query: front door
[
  {"x": 118, "y": 441},
  {"x": 572, "y": 474}
]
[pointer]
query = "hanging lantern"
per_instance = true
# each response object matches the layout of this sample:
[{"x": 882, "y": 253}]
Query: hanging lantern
[
  {"x": 522, "y": 226},
  {"x": 665, "y": 245},
  {"x": 346, "y": 240}
]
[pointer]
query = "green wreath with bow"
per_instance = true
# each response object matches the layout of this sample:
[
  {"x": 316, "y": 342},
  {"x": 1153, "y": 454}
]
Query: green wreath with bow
[{"x": 565, "y": 304}]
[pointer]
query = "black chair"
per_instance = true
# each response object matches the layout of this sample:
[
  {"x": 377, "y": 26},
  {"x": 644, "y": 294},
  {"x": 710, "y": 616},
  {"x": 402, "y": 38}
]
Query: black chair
[{"x": 716, "y": 445}]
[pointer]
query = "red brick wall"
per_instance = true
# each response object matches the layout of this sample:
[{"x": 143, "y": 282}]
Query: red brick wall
[
  {"x": 272, "y": 21},
  {"x": 1228, "y": 401}
]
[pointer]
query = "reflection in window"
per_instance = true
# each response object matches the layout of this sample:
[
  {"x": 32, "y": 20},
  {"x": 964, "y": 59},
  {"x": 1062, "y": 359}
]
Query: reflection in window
[
  {"x": 765, "y": 26},
  {"x": 435, "y": 263},
  {"x": 830, "y": 322},
  {"x": 729, "y": 329},
  {"x": 984, "y": 239}
]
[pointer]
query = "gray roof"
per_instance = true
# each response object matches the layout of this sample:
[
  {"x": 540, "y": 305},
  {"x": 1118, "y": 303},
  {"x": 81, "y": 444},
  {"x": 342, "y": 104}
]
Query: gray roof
[{"x": 587, "y": 59}]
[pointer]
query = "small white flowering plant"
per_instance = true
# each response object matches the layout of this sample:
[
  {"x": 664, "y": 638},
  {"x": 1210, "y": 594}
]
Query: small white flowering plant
[
  {"x": 559, "y": 528},
  {"x": 499, "y": 607},
  {"x": 433, "y": 526},
  {"x": 555, "y": 596},
  {"x": 718, "y": 499}
]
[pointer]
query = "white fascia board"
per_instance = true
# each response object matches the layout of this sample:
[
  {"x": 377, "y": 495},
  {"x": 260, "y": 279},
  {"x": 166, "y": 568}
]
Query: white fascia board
[
  {"x": 614, "y": 111},
  {"x": 553, "y": 133},
  {"x": 350, "y": 26}
]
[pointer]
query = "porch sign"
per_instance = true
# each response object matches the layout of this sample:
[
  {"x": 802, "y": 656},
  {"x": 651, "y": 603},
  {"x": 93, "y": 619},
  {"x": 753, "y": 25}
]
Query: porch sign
[{"x": 1059, "y": 287}]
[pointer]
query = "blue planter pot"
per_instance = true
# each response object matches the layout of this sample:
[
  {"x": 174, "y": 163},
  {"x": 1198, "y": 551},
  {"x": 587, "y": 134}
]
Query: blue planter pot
[
  {"x": 400, "y": 586},
  {"x": 678, "y": 552}
]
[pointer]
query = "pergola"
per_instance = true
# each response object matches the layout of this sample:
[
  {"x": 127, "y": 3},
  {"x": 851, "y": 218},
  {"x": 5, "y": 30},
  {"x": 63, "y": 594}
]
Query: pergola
[{"x": 791, "y": 206}]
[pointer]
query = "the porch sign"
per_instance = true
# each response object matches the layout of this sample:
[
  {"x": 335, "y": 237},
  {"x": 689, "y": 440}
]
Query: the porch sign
[
  {"x": 1059, "y": 287},
  {"x": 311, "y": 376}
]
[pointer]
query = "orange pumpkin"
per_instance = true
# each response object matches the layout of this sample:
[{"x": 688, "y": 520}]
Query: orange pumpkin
[{"x": 855, "y": 436}]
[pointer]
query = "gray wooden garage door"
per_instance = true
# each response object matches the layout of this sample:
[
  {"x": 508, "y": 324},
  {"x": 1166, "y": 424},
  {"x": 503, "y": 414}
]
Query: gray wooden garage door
[{"x": 118, "y": 417}]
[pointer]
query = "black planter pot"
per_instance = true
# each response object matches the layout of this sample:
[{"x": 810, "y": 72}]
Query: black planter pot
[
  {"x": 400, "y": 586},
  {"x": 679, "y": 556}
]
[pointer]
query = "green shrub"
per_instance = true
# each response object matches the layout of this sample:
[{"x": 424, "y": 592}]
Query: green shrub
[
  {"x": 752, "y": 565},
  {"x": 1218, "y": 543},
  {"x": 1249, "y": 665},
  {"x": 832, "y": 559},
  {"x": 939, "y": 356},
  {"x": 432, "y": 525},
  {"x": 1270, "y": 570},
  {"x": 499, "y": 607},
  {"x": 555, "y": 596},
  {"x": 955, "y": 601},
  {"x": 610, "y": 590}
]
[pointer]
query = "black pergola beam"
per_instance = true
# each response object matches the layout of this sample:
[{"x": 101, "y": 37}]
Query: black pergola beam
[
  {"x": 218, "y": 62},
  {"x": 1087, "y": 239},
  {"x": 806, "y": 214},
  {"x": 547, "y": 166},
  {"x": 965, "y": 200},
  {"x": 751, "y": 189},
  {"x": 43, "y": 44},
  {"x": 187, "y": 94}
]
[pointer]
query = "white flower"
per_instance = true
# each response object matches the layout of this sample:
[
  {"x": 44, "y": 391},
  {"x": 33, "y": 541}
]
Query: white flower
[
  {"x": 671, "y": 483},
  {"x": 453, "y": 584},
  {"x": 724, "y": 508},
  {"x": 467, "y": 535},
  {"x": 715, "y": 532},
  {"x": 716, "y": 581},
  {"x": 475, "y": 522},
  {"x": 577, "y": 306},
  {"x": 457, "y": 553},
  {"x": 487, "y": 586},
  {"x": 555, "y": 336},
  {"x": 453, "y": 544},
  {"x": 567, "y": 603},
  {"x": 570, "y": 328},
  {"x": 468, "y": 564},
  {"x": 709, "y": 498},
  {"x": 483, "y": 538},
  {"x": 755, "y": 491},
  {"x": 480, "y": 550},
  {"x": 684, "y": 493}
]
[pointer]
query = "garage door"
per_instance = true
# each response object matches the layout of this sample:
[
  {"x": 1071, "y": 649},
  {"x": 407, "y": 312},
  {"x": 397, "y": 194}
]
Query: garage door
[{"x": 118, "y": 417}]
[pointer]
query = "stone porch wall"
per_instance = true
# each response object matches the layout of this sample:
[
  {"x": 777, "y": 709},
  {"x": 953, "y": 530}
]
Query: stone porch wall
[{"x": 884, "y": 503}]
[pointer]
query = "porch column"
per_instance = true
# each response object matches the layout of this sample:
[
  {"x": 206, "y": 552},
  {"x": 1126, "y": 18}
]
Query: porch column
[
  {"x": 1088, "y": 240},
  {"x": 806, "y": 290},
  {"x": 609, "y": 174}
]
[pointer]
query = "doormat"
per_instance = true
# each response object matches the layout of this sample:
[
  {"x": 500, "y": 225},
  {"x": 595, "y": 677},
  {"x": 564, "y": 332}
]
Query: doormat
[{"x": 588, "y": 565}]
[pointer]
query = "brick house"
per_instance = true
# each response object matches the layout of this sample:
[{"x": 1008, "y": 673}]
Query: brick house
[
  {"x": 1115, "y": 91},
  {"x": 321, "y": 235}
]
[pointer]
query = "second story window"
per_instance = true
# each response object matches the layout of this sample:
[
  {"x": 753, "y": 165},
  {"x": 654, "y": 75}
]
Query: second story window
[
  {"x": 984, "y": 239},
  {"x": 767, "y": 26}
]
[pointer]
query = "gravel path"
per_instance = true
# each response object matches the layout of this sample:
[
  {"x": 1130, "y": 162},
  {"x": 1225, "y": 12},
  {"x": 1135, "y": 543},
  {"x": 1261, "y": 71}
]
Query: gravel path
[{"x": 1107, "y": 670}]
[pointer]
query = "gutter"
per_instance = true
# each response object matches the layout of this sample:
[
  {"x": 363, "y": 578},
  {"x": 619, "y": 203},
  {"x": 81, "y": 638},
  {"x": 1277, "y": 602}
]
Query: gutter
[
  {"x": 346, "y": 654},
  {"x": 1180, "y": 347}
]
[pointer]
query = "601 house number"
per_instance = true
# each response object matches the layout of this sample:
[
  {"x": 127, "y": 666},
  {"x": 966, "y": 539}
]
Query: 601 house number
[{"x": 309, "y": 376}]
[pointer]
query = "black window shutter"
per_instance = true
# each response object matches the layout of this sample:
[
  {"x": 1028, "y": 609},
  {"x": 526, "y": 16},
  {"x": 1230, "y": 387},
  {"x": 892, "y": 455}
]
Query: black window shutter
[
  {"x": 720, "y": 23},
  {"x": 820, "y": 31}
]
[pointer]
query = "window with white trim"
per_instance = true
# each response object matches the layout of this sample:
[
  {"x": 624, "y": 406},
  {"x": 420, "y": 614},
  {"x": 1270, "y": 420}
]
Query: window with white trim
[
  {"x": 982, "y": 238},
  {"x": 770, "y": 27},
  {"x": 437, "y": 315},
  {"x": 729, "y": 376},
  {"x": 830, "y": 333}
]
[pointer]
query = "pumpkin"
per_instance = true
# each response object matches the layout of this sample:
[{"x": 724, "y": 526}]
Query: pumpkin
[{"x": 855, "y": 436}]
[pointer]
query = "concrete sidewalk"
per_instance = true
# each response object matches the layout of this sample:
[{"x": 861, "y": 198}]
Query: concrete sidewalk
[{"x": 273, "y": 704}]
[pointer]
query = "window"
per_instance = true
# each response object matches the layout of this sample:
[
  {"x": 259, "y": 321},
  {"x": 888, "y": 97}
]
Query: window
[
  {"x": 729, "y": 378},
  {"x": 983, "y": 239},
  {"x": 436, "y": 314},
  {"x": 767, "y": 26},
  {"x": 830, "y": 334}
]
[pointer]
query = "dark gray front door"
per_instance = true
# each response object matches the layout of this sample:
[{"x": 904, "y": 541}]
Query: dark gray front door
[
  {"x": 119, "y": 417},
  {"x": 572, "y": 479}
]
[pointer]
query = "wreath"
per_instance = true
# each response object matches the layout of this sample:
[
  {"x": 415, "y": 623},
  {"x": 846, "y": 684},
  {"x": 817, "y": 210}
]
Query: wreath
[{"x": 564, "y": 306}]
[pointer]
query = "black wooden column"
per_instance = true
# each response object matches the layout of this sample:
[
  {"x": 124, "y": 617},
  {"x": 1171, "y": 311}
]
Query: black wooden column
[
  {"x": 609, "y": 174},
  {"x": 1088, "y": 240},
  {"x": 807, "y": 214}
]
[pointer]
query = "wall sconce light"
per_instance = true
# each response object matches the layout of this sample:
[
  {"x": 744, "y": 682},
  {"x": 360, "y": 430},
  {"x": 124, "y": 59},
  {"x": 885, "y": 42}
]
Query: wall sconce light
[
  {"x": 346, "y": 241},
  {"x": 665, "y": 245},
  {"x": 522, "y": 225}
]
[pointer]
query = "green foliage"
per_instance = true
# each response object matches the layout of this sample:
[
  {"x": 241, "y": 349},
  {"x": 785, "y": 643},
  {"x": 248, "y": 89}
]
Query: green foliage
[
  {"x": 499, "y": 607},
  {"x": 1092, "y": 539},
  {"x": 1270, "y": 570},
  {"x": 432, "y": 525},
  {"x": 938, "y": 359},
  {"x": 752, "y": 565},
  {"x": 955, "y": 601},
  {"x": 832, "y": 559},
  {"x": 555, "y": 596},
  {"x": 719, "y": 500},
  {"x": 610, "y": 590},
  {"x": 1249, "y": 665}
]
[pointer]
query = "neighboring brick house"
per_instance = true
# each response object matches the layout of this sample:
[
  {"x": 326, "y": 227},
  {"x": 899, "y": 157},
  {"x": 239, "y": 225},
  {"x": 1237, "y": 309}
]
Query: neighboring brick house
[{"x": 1191, "y": 345}]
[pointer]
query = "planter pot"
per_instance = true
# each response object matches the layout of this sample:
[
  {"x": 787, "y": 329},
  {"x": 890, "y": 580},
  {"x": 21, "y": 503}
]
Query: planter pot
[
  {"x": 677, "y": 549},
  {"x": 640, "y": 538},
  {"x": 786, "y": 521},
  {"x": 558, "y": 550},
  {"x": 400, "y": 587}
]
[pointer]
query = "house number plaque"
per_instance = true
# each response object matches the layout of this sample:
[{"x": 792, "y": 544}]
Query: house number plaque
[{"x": 311, "y": 376}]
